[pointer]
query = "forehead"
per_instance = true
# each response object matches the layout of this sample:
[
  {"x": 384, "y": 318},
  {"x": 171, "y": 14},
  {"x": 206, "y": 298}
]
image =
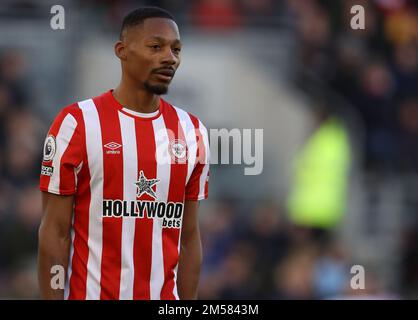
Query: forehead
[{"x": 156, "y": 28}]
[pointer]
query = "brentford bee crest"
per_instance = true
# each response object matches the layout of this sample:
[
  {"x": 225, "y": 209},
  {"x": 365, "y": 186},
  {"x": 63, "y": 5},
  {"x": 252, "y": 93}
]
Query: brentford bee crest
[{"x": 178, "y": 150}]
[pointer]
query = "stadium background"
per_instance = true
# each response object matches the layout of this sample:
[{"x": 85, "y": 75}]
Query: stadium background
[{"x": 339, "y": 109}]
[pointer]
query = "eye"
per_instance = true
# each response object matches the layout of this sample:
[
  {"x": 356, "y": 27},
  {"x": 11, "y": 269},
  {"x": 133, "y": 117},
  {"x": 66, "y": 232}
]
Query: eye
[
  {"x": 177, "y": 50},
  {"x": 155, "y": 46}
]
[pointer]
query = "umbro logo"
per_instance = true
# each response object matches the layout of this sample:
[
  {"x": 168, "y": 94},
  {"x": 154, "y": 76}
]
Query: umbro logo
[{"x": 112, "y": 148}]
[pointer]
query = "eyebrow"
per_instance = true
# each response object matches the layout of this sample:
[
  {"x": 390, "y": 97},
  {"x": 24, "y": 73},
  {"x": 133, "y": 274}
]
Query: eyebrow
[{"x": 161, "y": 39}]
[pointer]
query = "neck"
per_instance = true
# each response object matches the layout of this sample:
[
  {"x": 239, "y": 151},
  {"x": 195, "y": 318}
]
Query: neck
[{"x": 136, "y": 99}]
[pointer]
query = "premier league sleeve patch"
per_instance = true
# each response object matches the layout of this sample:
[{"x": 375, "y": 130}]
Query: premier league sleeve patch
[{"x": 50, "y": 148}]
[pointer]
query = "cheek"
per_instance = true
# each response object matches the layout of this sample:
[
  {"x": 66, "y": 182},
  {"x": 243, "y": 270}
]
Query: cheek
[
  {"x": 139, "y": 63},
  {"x": 136, "y": 57}
]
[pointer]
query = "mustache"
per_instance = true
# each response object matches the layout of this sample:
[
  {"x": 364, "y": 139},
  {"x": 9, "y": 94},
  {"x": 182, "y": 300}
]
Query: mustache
[{"x": 162, "y": 69}]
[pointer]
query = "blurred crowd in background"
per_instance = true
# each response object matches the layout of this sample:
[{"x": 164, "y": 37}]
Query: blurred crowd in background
[{"x": 266, "y": 250}]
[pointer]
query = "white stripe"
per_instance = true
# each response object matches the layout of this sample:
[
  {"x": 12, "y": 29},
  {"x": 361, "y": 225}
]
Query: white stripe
[
  {"x": 130, "y": 174},
  {"x": 162, "y": 187},
  {"x": 76, "y": 172},
  {"x": 190, "y": 136},
  {"x": 140, "y": 114},
  {"x": 205, "y": 170},
  {"x": 95, "y": 161},
  {"x": 70, "y": 262},
  {"x": 62, "y": 139}
]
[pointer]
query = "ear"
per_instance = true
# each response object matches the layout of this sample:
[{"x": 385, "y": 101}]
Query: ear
[{"x": 120, "y": 50}]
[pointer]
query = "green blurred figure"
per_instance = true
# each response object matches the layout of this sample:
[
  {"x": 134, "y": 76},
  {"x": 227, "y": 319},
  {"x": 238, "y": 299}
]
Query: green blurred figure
[{"x": 320, "y": 179}]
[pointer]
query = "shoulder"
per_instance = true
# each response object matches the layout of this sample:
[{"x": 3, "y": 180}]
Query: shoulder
[
  {"x": 72, "y": 117},
  {"x": 184, "y": 115},
  {"x": 192, "y": 124},
  {"x": 76, "y": 109},
  {"x": 69, "y": 114},
  {"x": 68, "y": 119},
  {"x": 72, "y": 109}
]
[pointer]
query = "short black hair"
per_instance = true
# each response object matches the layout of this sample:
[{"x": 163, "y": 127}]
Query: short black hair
[{"x": 138, "y": 16}]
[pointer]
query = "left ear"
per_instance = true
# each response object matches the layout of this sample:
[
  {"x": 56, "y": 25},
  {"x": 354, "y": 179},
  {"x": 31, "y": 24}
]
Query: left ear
[{"x": 120, "y": 50}]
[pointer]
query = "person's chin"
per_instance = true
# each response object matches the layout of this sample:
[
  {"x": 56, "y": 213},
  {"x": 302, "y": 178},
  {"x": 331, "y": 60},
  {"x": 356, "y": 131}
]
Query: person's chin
[{"x": 157, "y": 88}]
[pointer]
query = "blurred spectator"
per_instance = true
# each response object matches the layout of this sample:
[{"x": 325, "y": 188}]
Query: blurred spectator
[
  {"x": 401, "y": 25},
  {"x": 270, "y": 237},
  {"x": 405, "y": 69},
  {"x": 293, "y": 278},
  {"x": 216, "y": 15},
  {"x": 239, "y": 273},
  {"x": 218, "y": 233},
  {"x": 374, "y": 102},
  {"x": 260, "y": 13},
  {"x": 331, "y": 271},
  {"x": 408, "y": 135},
  {"x": 22, "y": 150},
  {"x": 318, "y": 197},
  {"x": 350, "y": 60},
  {"x": 13, "y": 68}
]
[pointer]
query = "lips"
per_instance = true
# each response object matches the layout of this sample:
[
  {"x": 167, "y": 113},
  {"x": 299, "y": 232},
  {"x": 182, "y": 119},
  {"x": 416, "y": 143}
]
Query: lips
[{"x": 165, "y": 72}]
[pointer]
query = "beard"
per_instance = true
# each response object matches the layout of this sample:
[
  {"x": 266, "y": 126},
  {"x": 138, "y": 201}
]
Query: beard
[{"x": 156, "y": 89}]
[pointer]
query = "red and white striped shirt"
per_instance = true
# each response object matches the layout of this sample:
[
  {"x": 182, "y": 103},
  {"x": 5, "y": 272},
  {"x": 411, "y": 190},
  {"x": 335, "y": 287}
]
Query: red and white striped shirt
[{"x": 130, "y": 174}]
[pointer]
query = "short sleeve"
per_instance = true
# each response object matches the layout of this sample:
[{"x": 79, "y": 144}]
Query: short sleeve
[
  {"x": 197, "y": 186},
  {"x": 62, "y": 154}
]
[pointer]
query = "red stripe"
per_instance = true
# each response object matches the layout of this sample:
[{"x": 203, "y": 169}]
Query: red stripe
[
  {"x": 81, "y": 225},
  {"x": 143, "y": 226},
  {"x": 201, "y": 154},
  {"x": 112, "y": 189},
  {"x": 81, "y": 229},
  {"x": 178, "y": 176},
  {"x": 193, "y": 188},
  {"x": 207, "y": 185}
]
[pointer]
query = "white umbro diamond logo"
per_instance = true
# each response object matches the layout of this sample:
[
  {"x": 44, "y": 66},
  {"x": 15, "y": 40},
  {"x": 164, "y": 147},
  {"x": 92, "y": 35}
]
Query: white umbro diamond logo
[
  {"x": 112, "y": 145},
  {"x": 112, "y": 148}
]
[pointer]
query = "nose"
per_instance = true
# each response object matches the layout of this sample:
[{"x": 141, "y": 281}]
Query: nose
[{"x": 169, "y": 57}]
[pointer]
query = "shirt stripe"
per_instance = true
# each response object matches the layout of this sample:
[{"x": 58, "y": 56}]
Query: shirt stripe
[
  {"x": 130, "y": 172},
  {"x": 144, "y": 226},
  {"x": 63, "y": 139},
  {"x": 112, "y": 189},
  {"x": 95, "y": 161},
  {"x": 163, "y": 175}
]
